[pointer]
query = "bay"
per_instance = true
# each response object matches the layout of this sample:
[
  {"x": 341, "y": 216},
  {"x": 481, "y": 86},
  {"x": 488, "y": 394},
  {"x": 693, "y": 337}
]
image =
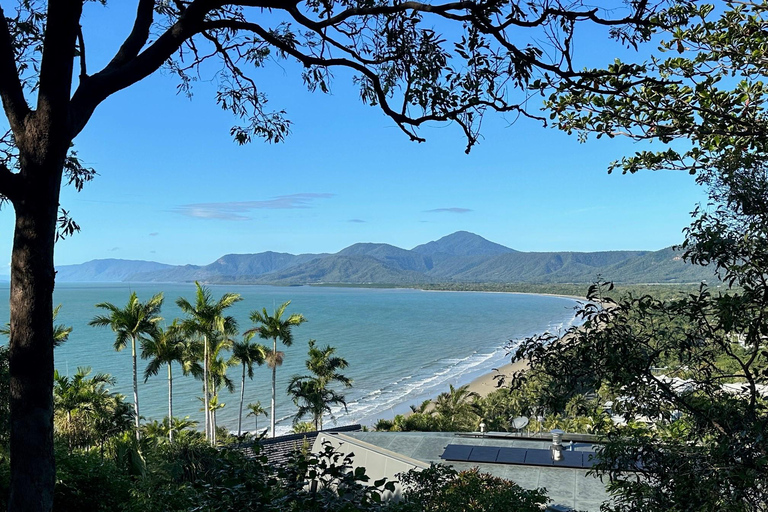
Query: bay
[{"x": 403, "y": 346}]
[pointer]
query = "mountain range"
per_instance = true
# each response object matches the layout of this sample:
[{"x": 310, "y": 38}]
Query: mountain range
[{"x": 461, "y": 257}]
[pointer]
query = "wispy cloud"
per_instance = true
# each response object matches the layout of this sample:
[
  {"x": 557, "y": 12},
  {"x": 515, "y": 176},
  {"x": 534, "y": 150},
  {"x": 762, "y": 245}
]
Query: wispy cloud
[
  {"x": 237, "y": 210},
  {"x": 357, "y": 221},
  {"x": 448, "y": 210}
]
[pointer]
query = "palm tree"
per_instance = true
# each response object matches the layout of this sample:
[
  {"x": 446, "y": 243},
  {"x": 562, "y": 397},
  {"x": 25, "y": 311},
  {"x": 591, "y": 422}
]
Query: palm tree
[
  {"x": 313, "y": 399},
  {"x": 273, "y": 328},
  {"x": 165, "y": 346},
  {"x": 206, "y": 319},
  {"x": 217, "y": 373},
  {"x": 86, "y": 411},
  {"x": 247, "y": 354},
  {"x": 135, "y": 322},
  {"x": 311, "y": 392},
  {"x": 256, "y": 410},
  {"x": 456, "y": 408}
]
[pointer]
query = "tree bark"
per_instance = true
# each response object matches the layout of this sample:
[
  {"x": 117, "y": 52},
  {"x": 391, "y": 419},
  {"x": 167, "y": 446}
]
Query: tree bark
[{"x": 33, "y": 468}]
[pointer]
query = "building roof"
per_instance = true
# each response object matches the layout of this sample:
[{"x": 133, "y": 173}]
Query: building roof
[
  {"x": 568, "y": 487},
  {"x": 279, "y": 449}
]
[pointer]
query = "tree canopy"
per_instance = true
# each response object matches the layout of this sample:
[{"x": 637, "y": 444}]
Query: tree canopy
[
  {"x": 688, "y": 374},
  {"x": 403, "y": 63}
]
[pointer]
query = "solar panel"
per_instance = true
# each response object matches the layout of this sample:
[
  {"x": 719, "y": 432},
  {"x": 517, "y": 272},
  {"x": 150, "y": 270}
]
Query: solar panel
[
  {"x": 589, "y": 460},
  {"x": 483, "y": 454},
  {"x": 538, "y": 457},
  {"x": 523, "y": 456},
  {"x": 458, "y": 452},
  {"x": 511, "y": 456},
  {"x": 570, "y": 460}
]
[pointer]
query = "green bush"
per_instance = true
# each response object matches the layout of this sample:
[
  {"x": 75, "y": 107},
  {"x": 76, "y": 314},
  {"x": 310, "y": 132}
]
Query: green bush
[{"x": 441, "y": 489}]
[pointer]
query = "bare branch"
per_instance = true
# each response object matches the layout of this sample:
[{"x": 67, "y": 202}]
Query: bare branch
[
  {"x": 56, "y": 68},
  {"x": 81, "y": 51},
  {"x": 138, "y": 36},
  {"x": 114, "y": 78},
  {"x": 11, "y": 91}
]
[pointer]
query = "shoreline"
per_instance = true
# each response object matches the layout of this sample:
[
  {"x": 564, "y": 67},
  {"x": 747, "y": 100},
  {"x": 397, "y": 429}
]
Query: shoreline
[{"x": 487, "y": 383}]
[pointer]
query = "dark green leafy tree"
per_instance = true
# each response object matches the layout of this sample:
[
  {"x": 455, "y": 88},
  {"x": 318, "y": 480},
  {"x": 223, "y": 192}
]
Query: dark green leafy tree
[
  {"x": 441, "y": 489},
  {"x": 206, "y": 320},
  {"x": 247, "y": 354},
  {"x": 400, "y": 62},
  {"x": 694, "y": 366},
  {"x": 136, "y": 322},
  {"x": 274, "y": 327}
]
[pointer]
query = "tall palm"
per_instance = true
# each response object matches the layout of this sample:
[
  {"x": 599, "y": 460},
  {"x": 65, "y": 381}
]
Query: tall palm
[
  {"x": 273, "y": 327},
  {"x": 247, "y": 354},
  {"x": 206, "y": 319},
  {"x": 217, "y": 373},
  {"x": 311, "y": 393},
  {"x": 165, "y": 347},
  {"x": 137, "y": 321},
  {"x": 256, "y": 410}
]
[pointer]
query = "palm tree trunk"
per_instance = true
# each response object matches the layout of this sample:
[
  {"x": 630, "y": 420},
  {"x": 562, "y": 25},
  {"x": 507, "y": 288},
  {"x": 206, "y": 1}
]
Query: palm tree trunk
[
  {"x": 135, "y": 387},
  {"x": 213, "y": 423},
  {"x": 274, "y": 382},
  {"x": 170, "y": 403},
  {"x": 205, "y": 390},
  {"x": 242, "y": 398}
]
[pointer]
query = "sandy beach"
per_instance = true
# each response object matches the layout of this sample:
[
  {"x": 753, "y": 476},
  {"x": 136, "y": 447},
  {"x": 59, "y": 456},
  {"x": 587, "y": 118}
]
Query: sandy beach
[{"x": 487, "y": 383}]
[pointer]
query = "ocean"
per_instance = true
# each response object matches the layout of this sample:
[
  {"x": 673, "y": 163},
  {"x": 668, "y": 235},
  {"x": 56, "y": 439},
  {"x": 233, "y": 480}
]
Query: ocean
[{"x": 403, "y": 346}]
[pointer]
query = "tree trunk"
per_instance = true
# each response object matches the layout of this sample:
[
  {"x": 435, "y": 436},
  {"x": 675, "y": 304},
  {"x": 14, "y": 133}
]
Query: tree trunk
[
  {"x": 242, "y": 398},
  {"x": 274, "y": 383},
  {"x": 205, "y": 390},
  {"x": 33, "y": 468},
  {"x": 213, "y": 422},
  {"x": 170, "y": 403},
  {"x": 135, "y": 388}
]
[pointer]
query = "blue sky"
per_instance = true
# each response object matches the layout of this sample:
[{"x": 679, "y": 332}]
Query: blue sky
[{"x": 174, "y": 188}]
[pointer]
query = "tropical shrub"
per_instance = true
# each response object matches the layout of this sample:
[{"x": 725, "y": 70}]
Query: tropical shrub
[{"x": 441, "y": 489}]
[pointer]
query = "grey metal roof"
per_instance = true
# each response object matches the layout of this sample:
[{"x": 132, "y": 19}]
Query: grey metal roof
[
  {"x": 565, "y": 486},
  {"x": 278, "y": 449}
]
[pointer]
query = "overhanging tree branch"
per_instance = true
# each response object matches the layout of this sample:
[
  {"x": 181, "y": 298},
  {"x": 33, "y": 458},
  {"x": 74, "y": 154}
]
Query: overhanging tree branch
[
  {"x": 11, "y": 91},
  {"x": 56, "y": 68},
  {"x": 138, "y": 36}
]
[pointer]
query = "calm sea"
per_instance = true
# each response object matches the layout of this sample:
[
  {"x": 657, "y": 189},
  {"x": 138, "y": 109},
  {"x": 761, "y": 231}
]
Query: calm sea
[{"x": 403, "y": 346}]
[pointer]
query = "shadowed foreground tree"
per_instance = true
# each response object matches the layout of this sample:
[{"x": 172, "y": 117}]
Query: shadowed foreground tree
[
  {"x": 695, "y": 366},
  {"x": 400, "y": 63}
]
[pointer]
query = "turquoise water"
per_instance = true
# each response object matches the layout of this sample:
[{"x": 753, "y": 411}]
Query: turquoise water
[{"x": 403, "y": 346}]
